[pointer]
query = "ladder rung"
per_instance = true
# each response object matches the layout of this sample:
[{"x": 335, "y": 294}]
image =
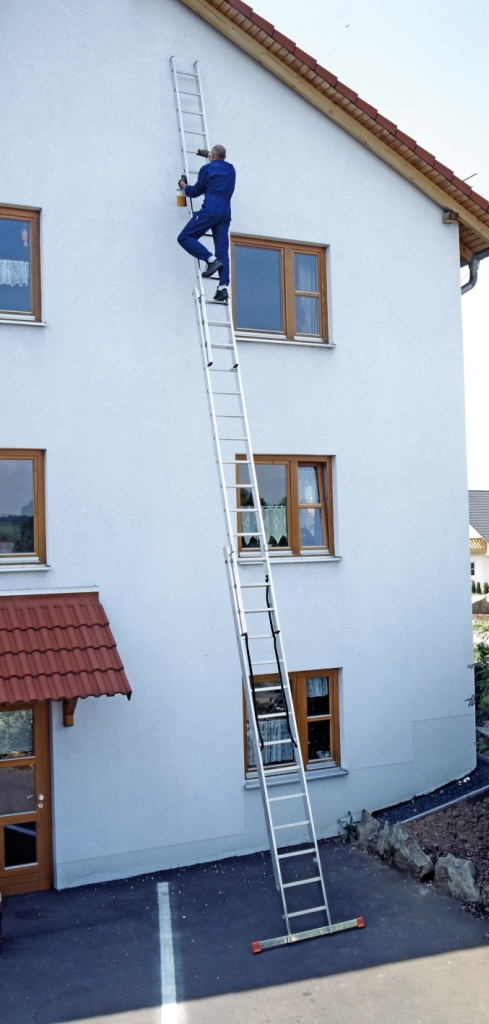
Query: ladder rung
[
  {"x": 249, "y": 586},
  {"x": 269, "y": 688},
  {"x": 228, "y": 348},
  {"x": 304, "y": 881},
  {"x": 221, "y": 438},
  {"x": 264, "y": 636},
  {"x": 189, "y": 131},
  {"x": 313, "y": 910},
  {"x": 186, "y": 74},
  {"x": 253, "y": 533},
  {"x": 291, "y": 824},
  {"x": 267, "y": 718},
  {"x": 219, "y": 323},
  {"x": 245, "y": 508},
  {"x": 272, "y": 662},
  {"x": 236, "y": 394},
  {"x": 271, "y": 743},
  {"x": 291, "y": 796},
  {"x": 256, "y": 611},
  {"x": 229, "y": 415},
  {"x": 296, "y": 853}
]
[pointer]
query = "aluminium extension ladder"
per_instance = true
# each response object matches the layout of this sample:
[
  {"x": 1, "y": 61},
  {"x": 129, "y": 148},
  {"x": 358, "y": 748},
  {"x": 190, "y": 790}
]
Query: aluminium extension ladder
[{"x": 293, "y": 845}]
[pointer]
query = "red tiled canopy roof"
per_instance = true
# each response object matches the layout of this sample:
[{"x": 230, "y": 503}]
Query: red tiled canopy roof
[
  {"x": 280, "y": 55},
  {"x": 57, "y": 646}
]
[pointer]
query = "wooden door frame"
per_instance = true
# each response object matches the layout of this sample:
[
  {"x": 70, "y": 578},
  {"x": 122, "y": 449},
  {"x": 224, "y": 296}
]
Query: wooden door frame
[{"x": 31, "y": 878}]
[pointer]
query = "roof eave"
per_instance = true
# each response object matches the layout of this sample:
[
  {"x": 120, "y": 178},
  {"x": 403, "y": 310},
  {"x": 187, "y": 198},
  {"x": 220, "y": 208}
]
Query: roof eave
[{"x": 297, "y": 70}]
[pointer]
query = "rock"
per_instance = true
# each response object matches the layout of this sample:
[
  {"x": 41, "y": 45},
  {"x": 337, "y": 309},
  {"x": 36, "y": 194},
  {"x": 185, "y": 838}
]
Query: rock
[
  {"x": 485, "y": 895},
  {"x": 400, "y": 846},
  {"x": 367, "y": 827},
  {"x": 457, "y": 877},
  {"x": 381, "y": 842}
]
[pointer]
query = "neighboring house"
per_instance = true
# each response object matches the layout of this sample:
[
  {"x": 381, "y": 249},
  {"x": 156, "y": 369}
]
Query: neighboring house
[
  {"x": 352, "y": 366},
  {"x": 479, "y": 535}
]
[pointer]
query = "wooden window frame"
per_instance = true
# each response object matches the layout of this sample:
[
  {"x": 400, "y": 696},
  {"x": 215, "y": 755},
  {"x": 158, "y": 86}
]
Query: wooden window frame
[
  {"x": 35, "y": 455},
  {"x": 33, "y": 216},
  {"x": 324, "y": 465},
  {"x": 287, "y": 276},
  {"x": 299, "y": 697}
]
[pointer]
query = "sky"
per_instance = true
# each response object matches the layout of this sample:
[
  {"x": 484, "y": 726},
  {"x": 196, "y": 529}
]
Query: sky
[{"x": 424, "y": 65}]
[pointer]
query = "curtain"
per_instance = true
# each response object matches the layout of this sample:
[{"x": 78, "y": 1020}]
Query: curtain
[
  {"x": 272, "y": 731},
  {"x": 14, "y": 272},
  {"x": 274, "y": 519},
  {"x": 317, "y": 686}
]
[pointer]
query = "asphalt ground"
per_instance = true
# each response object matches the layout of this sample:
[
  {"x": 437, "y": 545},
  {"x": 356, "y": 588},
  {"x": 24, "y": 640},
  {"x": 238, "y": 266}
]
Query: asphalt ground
[{"x": 92, "y": 955}]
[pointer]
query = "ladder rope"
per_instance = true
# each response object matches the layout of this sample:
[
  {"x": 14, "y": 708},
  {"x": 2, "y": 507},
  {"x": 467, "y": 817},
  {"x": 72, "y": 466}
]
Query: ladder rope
[
  {"x": 277, "y": 659},
  {"x": 252, "y": 683}
]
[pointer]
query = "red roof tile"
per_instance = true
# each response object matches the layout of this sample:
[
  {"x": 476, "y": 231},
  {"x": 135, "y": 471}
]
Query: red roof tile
[{"x": 56, "y": 646}]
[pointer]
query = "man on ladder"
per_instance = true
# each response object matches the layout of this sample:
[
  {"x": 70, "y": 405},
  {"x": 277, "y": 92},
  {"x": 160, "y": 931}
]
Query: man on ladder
[{"x": 216, "y": 181}]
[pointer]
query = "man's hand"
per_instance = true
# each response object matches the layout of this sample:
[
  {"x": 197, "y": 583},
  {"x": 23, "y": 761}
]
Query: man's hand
[{"x": 183, "y": 181}]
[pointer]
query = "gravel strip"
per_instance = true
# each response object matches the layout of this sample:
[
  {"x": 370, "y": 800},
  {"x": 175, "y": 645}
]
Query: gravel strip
[{"x": 419, "y": 804}]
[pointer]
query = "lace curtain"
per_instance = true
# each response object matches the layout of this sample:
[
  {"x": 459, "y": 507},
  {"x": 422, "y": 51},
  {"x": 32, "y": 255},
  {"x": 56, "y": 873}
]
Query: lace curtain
[
  {"x": 317, "y": 686},
  {"x": 14, "y": 272},
  {"x": 272, "y": 731},
  {"x": 274, "y": 519}
]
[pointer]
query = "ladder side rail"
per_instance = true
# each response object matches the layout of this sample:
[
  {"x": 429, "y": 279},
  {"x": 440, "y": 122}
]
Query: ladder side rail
[
  {"x": 181, "y": 130},
  {"x": 202, "y": 105}
]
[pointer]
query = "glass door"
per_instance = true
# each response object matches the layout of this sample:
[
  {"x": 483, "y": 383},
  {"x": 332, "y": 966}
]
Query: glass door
[{"x": 25, "y": 801}]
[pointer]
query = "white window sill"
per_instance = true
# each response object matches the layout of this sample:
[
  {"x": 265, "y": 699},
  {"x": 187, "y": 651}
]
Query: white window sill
[
  {"x": 23, "y": 567},
  {"x": 311, "y": 774},
  {"x": 291, "y": 559},
  {"x": 24, "y": 322},
  {"x": 274, "y": 339}
]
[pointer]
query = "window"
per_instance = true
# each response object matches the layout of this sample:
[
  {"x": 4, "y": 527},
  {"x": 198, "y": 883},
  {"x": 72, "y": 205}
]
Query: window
[
  {"x": 20, "y": 290},
  {"x": 315, "y": 696},
  {"x": 472, "y": 568},
  {"x": 296, "y": 504},
  {"x": 22, "y": 529},
  {"x": 279, "y": 289}
]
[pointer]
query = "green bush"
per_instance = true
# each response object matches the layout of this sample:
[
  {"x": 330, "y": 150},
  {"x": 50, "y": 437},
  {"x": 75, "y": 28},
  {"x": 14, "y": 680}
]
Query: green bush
[{"x": 480, "y": 697}]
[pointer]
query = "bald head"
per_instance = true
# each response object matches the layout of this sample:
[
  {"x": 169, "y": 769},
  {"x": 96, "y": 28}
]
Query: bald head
[{"x": 218, "y": 153}]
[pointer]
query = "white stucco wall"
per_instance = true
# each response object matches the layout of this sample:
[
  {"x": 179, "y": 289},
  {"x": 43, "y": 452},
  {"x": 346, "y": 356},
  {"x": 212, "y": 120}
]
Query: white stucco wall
[{"x": 112, "y": 388}]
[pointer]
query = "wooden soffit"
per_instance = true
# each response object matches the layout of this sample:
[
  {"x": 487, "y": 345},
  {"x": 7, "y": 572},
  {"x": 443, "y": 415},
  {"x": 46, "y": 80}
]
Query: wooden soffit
[{"x": 301, "y": 72}]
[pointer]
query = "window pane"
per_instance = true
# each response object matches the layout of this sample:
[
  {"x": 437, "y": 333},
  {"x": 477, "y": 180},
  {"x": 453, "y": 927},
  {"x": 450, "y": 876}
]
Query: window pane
[
  {"x": 20, "y": 844},
  {"x": 272, "y": 732},
  {"x": 317, "y": 696},
  {"x": 308, "y": 486},
  {"x": 16, "y": 733},
  {"x": 16, "y": 506},
  {"x": 257, "y": 285},
  {"x": 15, "y": 292},
  {"x": 17, "y": 789},
  {"x": 306, "y": 315},
  {"x": 311, "y": 526},
  {"x": 306, "y": 272},
  {"x": 272, "y": 486},
  {"x": 319, "y": 740}
]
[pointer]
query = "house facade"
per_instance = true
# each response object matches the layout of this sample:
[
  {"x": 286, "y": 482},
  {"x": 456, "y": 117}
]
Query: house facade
[
  {"x": 109, "y": 498},
  {"x": 479, "y": 535}
]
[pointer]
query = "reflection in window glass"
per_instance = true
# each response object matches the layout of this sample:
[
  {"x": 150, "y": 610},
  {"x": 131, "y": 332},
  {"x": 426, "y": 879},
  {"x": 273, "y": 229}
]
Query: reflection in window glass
[
  {"x": 319, "y": 739},
  {"x": 317, "y": 696},
  {"x": 257, "y": 284},
  {"x": 272, "y": 487},
  {"x": 16, "y": 789},
  {"x": 273, "y": 731},
  {"x": 20, "y": 844},
  {"x": 15, "y": 292},
  {"x": 306, "y": 315},
  {"x": 308, "y": 486},
  {"x": 16, "y": 733},
  {"x": 16, "y": 506},
  {"x": 306, "y": 272}
]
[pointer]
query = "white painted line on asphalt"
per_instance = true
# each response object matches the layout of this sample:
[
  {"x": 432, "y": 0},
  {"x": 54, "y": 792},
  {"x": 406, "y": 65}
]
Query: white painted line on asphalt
[{"x": 171, "y": 1012}]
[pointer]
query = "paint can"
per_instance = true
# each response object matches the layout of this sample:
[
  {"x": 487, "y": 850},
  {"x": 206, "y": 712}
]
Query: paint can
[{"x": 181, "y": 198}]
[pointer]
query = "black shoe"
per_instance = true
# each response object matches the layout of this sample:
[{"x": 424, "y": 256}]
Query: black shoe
[
  {"x": 213, "y": 267},
  {"x": 222, "y": 295}
]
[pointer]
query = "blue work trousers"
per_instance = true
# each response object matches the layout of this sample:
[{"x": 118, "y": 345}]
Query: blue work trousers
[{"x": 202, "y": 221}]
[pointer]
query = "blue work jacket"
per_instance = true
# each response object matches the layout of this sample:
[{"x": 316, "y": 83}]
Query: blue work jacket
[{"x": 216, "y": 181}]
